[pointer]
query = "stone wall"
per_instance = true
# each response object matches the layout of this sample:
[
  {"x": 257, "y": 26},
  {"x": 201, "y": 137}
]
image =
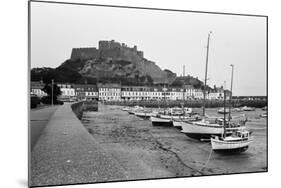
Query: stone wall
[
  {"x": 84, "y": 53},
  {"x": 79, "y": 107},
  {"x": 109, "y": 49}
]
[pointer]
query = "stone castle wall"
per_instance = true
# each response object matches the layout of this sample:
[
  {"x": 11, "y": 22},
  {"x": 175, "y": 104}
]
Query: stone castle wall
[
  {"x": 84, "y": 53},
  {"x": 110, "y": 49}
]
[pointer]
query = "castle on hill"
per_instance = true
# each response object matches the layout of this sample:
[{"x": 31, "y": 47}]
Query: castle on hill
[{"x": 107, "y": 49}]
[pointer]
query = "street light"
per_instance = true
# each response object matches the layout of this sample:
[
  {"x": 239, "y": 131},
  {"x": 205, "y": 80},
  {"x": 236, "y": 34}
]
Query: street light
[{"x": 52, "y": 92}]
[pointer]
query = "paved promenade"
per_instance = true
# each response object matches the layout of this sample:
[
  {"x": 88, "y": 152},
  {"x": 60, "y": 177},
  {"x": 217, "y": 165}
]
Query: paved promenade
[
  {"x": 38, "y": 120},
  {"x": 67, "y": 154}
]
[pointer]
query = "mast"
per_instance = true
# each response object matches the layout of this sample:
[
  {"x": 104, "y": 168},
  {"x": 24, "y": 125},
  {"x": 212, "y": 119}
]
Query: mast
[
  {"x": 206, "y": 71},
  {"x": 183, "y": 99},
  {"x": 230, "y": 97},
  {"x": 224, "y": 101}
]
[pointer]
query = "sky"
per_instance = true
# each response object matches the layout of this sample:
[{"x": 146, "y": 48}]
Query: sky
[{"x": 169, "y": 38}]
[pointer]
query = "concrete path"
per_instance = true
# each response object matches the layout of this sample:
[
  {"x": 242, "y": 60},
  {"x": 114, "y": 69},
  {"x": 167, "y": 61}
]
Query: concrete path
[
  {"x": 38, "y": 120},
  {"x": 67, "y": 154}
]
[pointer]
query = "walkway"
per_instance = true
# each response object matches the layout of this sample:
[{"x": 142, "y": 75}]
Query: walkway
[
  {"x": 38, "y": 120},
  {"x": 67, "y": 154}
]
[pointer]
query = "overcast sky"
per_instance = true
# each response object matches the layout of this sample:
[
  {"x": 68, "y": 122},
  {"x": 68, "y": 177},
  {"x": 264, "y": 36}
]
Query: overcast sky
[{"x": 168, "y": 38}]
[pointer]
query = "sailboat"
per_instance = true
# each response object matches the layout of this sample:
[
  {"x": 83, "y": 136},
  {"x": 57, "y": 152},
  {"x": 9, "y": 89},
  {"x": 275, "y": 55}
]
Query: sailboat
[
  {"x": 204, "y": 129},
  {"x": 238, "y": 141}
]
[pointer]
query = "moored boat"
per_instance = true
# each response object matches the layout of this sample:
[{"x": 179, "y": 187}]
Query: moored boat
[
  {"x": 126, "y": 108},
  {"x": 264, "y": 115},
  {"x": 239, "y": 141},
  {"x": 264, "y": 108},
  {"x": 144, "y": 113},
  {"x": 223, "y": 111},
  {"x": 204, "y": 129},
  {"x": 158, "y": 121},
  {"x": 246, "y": 108},
  {"x": 134, "y": 109}
]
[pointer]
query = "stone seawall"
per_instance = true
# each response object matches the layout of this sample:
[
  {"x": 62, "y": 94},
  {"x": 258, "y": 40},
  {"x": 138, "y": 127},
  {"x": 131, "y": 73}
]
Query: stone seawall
[
  {"x": 80, "y": 107},
  {"x": 67, "y": 154}
]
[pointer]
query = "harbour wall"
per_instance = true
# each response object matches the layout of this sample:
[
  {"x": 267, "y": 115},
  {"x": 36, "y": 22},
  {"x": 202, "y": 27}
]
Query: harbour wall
[
  {"x": 190, "y": 103},
  {"x": 79, "y": 107},
  {"x": 66, "y": 153}
]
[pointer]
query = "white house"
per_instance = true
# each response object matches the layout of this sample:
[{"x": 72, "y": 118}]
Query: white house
[
  {"x": 109, "y": 92},
  {"x": 36, "y": 87}
]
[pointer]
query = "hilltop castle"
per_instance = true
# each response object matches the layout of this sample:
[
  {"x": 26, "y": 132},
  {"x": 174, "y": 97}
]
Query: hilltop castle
[{"x": 108, "y": 49}]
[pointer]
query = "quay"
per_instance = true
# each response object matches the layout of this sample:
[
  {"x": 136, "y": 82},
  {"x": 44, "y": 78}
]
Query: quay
[{"x": 65, "y": 153}]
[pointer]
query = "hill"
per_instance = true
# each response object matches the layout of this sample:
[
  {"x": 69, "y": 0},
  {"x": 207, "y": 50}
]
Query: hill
[{"x": 112, "y": 62}]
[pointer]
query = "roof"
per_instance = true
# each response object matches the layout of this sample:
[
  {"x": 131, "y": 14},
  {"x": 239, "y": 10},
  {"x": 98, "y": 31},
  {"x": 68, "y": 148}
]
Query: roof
[
  {"x": 86, "y": 87},
  {"x": 37, "y": 85},
  {"x": 109, "y": 86}
]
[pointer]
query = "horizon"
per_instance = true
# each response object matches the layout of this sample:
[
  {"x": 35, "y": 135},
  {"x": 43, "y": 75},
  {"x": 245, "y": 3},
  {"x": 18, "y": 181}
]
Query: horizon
[{"x": 182, "y": 46}]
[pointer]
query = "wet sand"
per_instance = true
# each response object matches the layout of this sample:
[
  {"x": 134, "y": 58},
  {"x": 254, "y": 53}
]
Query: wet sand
[{"x": 145, "y": 151}]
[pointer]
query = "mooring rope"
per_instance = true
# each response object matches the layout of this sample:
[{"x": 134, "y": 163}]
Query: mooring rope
[{"x": 207, "y": 160}]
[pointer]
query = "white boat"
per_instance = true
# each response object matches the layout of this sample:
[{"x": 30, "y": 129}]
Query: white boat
[
  {"x": 246, "y": 108},
  {"x": 158, "y": 121},
  {"x": 177, "y": 122},
  {"x": 135, "y": 109},
  {"x": 187, "y": 110},
  {"x": 239, "y": 141},
  {"x": 223, "y": 111},
  {"x": 126, "y": 108},
  {"x": 201, "y": 129},
  {"x": 145, "y": 114},
  {"x": 237, "y": 109},
  {"x": 264, "y": 115}
]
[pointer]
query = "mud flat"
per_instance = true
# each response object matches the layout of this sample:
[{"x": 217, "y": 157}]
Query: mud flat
[{"x": 145, "y": 151}]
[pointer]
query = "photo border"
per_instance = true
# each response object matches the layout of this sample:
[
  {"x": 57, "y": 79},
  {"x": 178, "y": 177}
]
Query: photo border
[{"x": 143, "y": 8}]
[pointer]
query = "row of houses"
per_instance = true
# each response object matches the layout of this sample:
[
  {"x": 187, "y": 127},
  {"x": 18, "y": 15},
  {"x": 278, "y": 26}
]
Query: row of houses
[{"x": 116, "y": 92}]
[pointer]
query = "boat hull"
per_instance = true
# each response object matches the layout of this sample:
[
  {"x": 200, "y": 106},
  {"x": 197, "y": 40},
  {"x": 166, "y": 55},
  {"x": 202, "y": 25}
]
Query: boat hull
[
  {"x": 161, "y": 122},
  {"x": 199, "y": 131},
  {"x": 143, "y": 115},
  {"x": 131, "y": 112},
  {"x": 221, "y": 146},
  {"x": 177, "y": 124}
]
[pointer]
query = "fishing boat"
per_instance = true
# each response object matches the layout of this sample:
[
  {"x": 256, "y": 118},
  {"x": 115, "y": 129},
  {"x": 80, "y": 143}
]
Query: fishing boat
[{"x": 239, "y": 141}]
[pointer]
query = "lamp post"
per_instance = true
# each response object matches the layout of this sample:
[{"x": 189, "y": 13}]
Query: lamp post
[{"x": 52, "y": 92}]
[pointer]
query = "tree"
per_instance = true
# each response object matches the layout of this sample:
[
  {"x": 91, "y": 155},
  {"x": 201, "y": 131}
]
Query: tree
[{"x": 56, "y": 91}]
